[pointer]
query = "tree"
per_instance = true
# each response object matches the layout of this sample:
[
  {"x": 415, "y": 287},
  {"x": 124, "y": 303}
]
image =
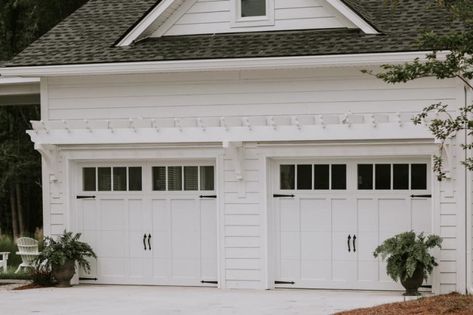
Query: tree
[
  {"x": 22, "y": 22},
  {"x": 451, "y": 58}
]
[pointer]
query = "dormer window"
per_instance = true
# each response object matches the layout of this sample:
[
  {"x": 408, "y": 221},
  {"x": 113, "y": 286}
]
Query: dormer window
[
  {"x": 250, "y": 8},
  {"x": 251, "y": 13}
]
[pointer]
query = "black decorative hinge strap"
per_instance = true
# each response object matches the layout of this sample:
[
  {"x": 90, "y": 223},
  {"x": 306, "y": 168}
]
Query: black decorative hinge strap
[
  {"x": 421, "y": 196},
  {"x": 283, "y": 196},
  {"x": 284, "y": 282}
]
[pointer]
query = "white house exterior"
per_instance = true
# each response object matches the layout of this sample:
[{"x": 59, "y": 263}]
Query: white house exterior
[{"x": 238, "y": 144}]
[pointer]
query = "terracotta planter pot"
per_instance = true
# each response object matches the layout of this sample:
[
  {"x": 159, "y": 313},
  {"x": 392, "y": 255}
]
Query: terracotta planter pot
[
  {"x": 63, "y": 274},
  {"x": 413, "y": 283}
]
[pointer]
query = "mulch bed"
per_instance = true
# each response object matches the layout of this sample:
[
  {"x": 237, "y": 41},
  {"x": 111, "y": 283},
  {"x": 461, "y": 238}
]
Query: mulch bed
[
  {"x": 453, "y": 303},
  {"x": 28, "y": 287}
]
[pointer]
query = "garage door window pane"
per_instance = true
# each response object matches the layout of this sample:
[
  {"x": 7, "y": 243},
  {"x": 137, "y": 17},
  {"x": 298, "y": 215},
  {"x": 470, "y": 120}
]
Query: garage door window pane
[
  {"x": 174, "y": 178},
  {"x": 304, "y": 177},
  {"x": 135, "y": 179},
  {"x": 88, "y": 178},
  {"x": 207, "y": 178},
  {"x": 105, "y": 178},
  {"x": 321, "y": 177},
  {"x": 339, "y": 177},
  {"x": 287, "y": 177},
  {"x": 383, "y": 176},
  {"x": 119, "y": 178},
  {"x": 253, "y": 8},
  {"x": 401, "y": 176},
  {"x": 365, "y": 176},
  {"x": 419, "y": 176},
  {"x": 191, "y": 178},
  {"x": 159, "y": 178}
]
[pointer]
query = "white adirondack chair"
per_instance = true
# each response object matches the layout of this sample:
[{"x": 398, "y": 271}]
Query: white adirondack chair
[
  {"x": 4, "y": 261},
  {"x": 28, "y": 250}
]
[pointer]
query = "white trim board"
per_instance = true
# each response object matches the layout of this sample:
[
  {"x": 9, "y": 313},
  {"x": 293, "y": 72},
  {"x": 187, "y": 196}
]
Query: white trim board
[
  {"x": 143, "y": 26},
  {"x": 235, "y": 134},
  {"x": 352, "y": 16},
  {"x": 325, "y": 61}
]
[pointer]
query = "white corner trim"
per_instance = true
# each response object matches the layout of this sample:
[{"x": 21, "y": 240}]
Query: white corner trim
[
  {"x": 352, "y": 16},
  {"x": 349, "y": 60},
  {"x": 145, "y": 23}
]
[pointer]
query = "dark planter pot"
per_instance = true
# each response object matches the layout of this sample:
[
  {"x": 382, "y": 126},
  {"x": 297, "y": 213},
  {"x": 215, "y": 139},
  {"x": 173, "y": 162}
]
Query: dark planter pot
[
  {"x": 63, "y": 274},
  {"x": 413, "y": 283}
]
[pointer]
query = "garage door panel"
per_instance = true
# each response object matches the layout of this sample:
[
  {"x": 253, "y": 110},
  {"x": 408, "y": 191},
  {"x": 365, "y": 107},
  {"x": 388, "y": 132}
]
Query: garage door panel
[
  {"x": 290, "y": 245},
  {"x": 343, "y": 214},
  {"x": 208, "y": 209},
  {"x": 315, "y": 215},
  {"x": 185, "y": 229},
  {"x": 139, "y": 270},
  {"x": 185, "y": 269},
  {"x": 113, "y": 268},
  {"x": 420, "y": 216},
  {"x": 316, "y": 270},
  {"x": 113, "y": 214},
  {"x": 161, "y": 269},
  {"x": 89, "y": 214},
  {"x": 344, "y": 271},
  {"x": 394, "y": 217},
  {"x": 113, "y": 244},
  {"x": 289, "y": 215},
  {"x": 161, "y": 215},
  {"x": 368, "y": 270},
  {"x": 367, "y": 215},
  {"x": 290, "y": 269},
  {"x": 316, "y": 245}
]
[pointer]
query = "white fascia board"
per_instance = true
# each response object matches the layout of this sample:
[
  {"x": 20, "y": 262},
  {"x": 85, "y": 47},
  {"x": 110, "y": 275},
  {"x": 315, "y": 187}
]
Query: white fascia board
[
  {"x": 327, "y": 61},
  {"x": 13, "y": 80},
  {"x": 145, "y": 23},
  {"x": 352, "y": 16}
]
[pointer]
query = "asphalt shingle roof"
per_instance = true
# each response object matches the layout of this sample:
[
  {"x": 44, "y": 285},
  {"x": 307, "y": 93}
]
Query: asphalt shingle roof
[{"x": 89, "y": 36}]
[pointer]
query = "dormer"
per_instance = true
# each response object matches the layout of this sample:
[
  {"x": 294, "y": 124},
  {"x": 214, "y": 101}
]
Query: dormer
[{"x": 197, "y": 17}]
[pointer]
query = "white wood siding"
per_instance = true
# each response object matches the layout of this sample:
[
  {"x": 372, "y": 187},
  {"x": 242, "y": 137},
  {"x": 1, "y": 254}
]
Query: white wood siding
[
  {"x": 215, "y": 16},
  {"x": 265, "y": 93}
]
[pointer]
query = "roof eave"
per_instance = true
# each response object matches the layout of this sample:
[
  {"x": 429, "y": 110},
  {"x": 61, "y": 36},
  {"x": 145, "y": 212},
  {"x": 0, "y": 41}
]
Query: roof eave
[{"x": 321, "y": 61}]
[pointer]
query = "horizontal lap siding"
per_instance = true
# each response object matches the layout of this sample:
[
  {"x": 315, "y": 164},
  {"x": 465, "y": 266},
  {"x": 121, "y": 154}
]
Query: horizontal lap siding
[
  {"x": 243, "y": 221},
  {"x": 216, "y": 16},
  {"x": 237, "y": 94}
]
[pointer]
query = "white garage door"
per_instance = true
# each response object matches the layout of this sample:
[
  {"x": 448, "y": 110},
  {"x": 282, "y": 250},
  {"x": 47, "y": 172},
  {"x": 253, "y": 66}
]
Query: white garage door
[
  {"x": 151, "y": 223},
  {"x": 331, "y": 215}
]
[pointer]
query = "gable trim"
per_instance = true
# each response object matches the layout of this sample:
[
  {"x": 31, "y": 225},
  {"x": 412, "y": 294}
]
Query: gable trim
[
  {"x": 348, "y": 60},
  {"x": 352, "y": 16},
  {"x": 159, "y": 8}
]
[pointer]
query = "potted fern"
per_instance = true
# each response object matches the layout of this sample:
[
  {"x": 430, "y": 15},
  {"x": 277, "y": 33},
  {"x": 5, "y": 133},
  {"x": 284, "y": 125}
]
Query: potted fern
[
  {"x": 61, "y": 255},
  {"x": 408, "y": 258}
]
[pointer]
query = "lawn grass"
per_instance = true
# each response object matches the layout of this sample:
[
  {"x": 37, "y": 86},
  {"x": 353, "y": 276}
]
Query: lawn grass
[
  {"x": 454, "y": 304},
  {"x": 11, "y": 275}
]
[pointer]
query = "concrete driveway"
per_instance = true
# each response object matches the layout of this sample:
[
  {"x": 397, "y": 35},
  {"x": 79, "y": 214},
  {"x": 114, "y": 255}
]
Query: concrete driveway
[{"x": 137, "y": 300}]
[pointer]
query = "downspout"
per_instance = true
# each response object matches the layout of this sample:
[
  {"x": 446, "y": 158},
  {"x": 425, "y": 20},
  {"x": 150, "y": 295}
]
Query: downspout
[{"x": 468, "y": 215}]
